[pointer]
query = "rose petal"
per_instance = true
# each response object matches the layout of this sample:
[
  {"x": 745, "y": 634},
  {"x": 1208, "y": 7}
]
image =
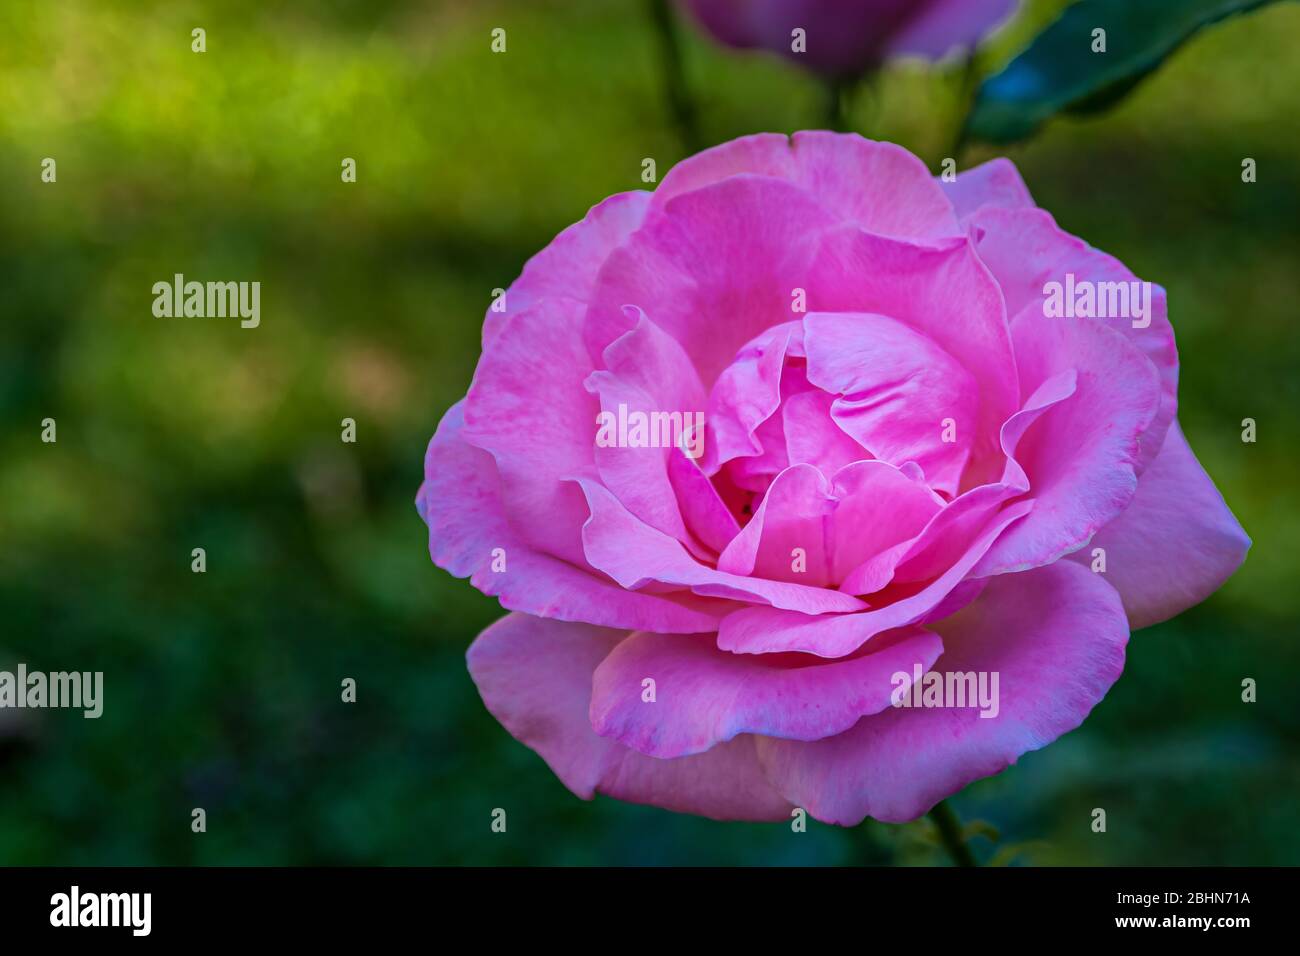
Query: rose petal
[
  {"x": 794, "y": 514},
  {"x": 945, "y": 294},
  {"x": 535, "y": 677},
  {"x": 648, "y": 374},
  {"x": 879, "y": 508},
  {"x": 1055, "y": 636},
  {"x": 767, "y": 630},
  {"x": 567, "y": 267},
  {"x": 812, "y": 437},
  {"x": 995, "y": 183},
  {"x": 879, "y": 187},
  {"x": 747, "y": 394},
  {"x": 1080, "y": 454},
  {"x": 704, "y": 696},
  {"x": 867, "y": 508},
  {"x": 897, "y": 392},
  {"x": 1175, "y": 544},
  {"x": 706, "y": 515},
  {"x": 536, "y": 443},
  {"x": 636, "y": 556},
  {"x": 1026, "y": 250},
  {"x": 460, "y": 500},
  {"x": 715, "y": 267}
]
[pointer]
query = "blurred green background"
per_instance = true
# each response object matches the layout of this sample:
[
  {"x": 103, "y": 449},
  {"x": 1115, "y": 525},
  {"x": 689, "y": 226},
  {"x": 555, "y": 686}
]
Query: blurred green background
[{"x": 222, "y": 690}]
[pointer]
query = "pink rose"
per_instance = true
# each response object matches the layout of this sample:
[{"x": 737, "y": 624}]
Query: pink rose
[
  {"x": 846, "y": 37},
  {"x": 916, "y": 454}
]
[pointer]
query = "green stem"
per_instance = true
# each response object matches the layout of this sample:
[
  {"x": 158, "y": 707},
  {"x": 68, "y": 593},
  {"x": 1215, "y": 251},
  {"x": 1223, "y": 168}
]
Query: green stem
[
  {"x": 950, "y": 833},
  {"x": 836, "y": 91},
  {"x": 868, "y": 102},
  {"x": 868, "y": 848},
  {"x": 680, "y": 105},
  {"x": 967, "y": 84}
]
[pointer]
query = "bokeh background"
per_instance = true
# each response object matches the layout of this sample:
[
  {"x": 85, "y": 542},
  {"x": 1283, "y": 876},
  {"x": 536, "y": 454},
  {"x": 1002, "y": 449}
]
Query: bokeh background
[{"x": 222, "y": 690}]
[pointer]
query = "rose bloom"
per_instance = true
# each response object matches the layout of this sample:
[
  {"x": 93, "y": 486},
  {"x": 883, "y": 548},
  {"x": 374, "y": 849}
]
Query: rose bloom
[
  {"x": 846, "y": 37},
  {"x": 912, "y": 464}
]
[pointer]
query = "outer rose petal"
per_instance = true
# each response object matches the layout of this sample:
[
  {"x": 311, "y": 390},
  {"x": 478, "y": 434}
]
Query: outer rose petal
[
  {"x": 1055, "y": 636},
  {"x": 704, "y": 696},
  {"x": 1081, "y": 453},
  {"x": 535, "y": 678},
  {"x": 995, "y": 183},
  {"x": 763, "y": 154},
  {"x": 567, "y": 268},
  {"x": 880, "y": 187},
  {"x": 1025, "y": 250},
  {"x": 460, "y": 500},
  {"x": 1175, "y": 544},
  {"x": 537, "y": 443},
  {"x": 713, "y": 268},
  {"x": 876, "y": 186}
]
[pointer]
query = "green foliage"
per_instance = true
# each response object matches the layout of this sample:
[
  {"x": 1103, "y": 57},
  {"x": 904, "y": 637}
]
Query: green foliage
[
  {"x": 222, "y": 689},
  {"x": 1063, "y": 71}
]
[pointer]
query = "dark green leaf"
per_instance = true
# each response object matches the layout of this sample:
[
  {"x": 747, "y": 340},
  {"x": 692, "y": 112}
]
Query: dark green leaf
[{"x": 1059, "y": 72}]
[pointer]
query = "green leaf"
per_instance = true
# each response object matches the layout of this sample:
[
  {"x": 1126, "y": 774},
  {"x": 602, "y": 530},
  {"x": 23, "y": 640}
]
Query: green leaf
[
  {"x": 981, "y": 828},
  {"x": 1059, "y": 72},
  {"x": 1008, "y": 854}
]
